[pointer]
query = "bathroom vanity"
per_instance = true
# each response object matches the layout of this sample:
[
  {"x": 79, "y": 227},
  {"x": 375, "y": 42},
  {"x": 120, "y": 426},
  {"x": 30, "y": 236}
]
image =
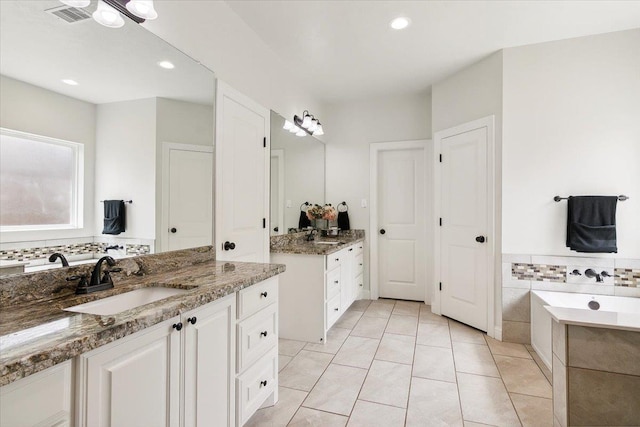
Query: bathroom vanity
[
  {"x": 323, "y": 278},
  {"x": 205, "y": 356}
]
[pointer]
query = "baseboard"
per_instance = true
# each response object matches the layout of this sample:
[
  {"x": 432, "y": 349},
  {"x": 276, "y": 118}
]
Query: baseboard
[
  {"x": 364, "y": 294},
  {"x": 497, "y": 333}
]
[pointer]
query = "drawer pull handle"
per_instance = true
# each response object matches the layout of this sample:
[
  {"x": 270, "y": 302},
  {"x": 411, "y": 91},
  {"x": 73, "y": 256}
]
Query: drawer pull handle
[
  {"x": 263, "y": 383},
  {"x": 336, "y": 309},
  {"x": 177, "y": 326},
  {"x": 350, "y": 249},
  {"x": 264, "y": 294},
  {"x": 335, "y": 281},
  {"x": 263, "y": 333},
  {"x": 192, "y": 320},
  {"x": 360, "y": 284},
  {"x": 360, "y": 264},
  {"x": 337, "y": 259}
]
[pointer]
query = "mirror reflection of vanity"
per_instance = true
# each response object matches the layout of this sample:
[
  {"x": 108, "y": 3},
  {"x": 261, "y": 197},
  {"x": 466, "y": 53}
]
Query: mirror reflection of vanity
[
  {"x": 130, "y": 121},
  {"x": 297, "y": 175}
]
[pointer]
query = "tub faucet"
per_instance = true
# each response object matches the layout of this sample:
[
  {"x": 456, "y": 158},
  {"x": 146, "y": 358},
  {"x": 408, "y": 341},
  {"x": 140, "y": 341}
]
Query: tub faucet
[
  {"x": 590, "y": 273},
  {"x": 59, "y": 256}
]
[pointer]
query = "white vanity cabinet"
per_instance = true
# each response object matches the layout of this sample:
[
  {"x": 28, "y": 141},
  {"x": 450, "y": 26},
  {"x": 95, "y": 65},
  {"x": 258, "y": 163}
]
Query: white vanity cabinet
[
  {"x": 316, "y": 290},
  {"x": 176, "y": 373}
]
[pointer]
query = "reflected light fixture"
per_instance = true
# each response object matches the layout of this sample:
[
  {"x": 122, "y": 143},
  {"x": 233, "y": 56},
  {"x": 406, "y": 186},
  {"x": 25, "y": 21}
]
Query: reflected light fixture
[
  {"x": 108, "y": 16},
  {"x": 400, "y": 23},
  {"x": 167, "y": 65},
  {"x": 142, "y": 8},
  {"x": 76, "y": 3},
  {"x": 70, "y": 82},
  {"x": 307, "y": 125}
]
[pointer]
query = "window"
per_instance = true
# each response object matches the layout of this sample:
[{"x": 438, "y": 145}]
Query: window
[{"x": 40, "y": 182}]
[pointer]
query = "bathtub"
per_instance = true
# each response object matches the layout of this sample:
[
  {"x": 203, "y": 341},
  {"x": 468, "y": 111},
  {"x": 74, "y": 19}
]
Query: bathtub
[{"x": 541, "y": 318}]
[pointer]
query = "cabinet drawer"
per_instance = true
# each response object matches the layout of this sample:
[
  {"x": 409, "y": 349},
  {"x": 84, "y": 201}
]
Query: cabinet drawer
[
  {"x": 358, "y": 248},
  {"x": 256, "y": 335},
  {"x": 358, "y": 264},
  {"x": 254, "y": 386},
  {"x": 257, "y": 297},
  {"x": 358, "y": 284},
  {"x": 333, "y": 310},
  {"x": 334, "y": 259},
  {"x": 333, "y": 283}
]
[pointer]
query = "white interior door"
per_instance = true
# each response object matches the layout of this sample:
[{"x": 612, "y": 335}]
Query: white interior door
[
  {"x": 242, "y": 177},
  {"x": 401, "y": 220},
  {"x": 276, "y": 225},
  {"x": 189, "y": 197},
  {"x": 464, "y": 254}
]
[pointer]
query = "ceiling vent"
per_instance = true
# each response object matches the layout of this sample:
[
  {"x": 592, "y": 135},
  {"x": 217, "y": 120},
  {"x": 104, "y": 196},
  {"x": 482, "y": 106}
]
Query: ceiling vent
[{"x": 69, "y": 14}]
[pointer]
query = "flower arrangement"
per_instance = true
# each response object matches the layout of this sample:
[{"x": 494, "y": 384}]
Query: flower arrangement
[{"x": 326, "y": 212}]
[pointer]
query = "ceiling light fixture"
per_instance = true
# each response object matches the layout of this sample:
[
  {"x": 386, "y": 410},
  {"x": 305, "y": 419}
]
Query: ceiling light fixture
[
  {"x": 70, "y": 82},
  {"x": 76, "y": 3},
  {"x": 400, "y": 23},
  {"x": 108, "y": 16},
  {"x": 142, "y": 8},
  {"x": 307, "y": 125},
  {"x": 167, "y": 65}
]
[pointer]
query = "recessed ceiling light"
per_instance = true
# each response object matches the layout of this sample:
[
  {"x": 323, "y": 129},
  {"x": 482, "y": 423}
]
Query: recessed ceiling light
[
  {"x": 70, "y": 82},
  {"x": 166, "y": 65},
  {"x": 400, "y": 23}
]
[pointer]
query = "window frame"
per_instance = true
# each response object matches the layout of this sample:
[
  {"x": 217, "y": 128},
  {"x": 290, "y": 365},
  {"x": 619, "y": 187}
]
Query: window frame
[{"x": 77, "y": 193}]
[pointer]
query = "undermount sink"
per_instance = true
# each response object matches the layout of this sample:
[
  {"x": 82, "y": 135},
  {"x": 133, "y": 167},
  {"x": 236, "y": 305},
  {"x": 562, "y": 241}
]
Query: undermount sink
[
  {"x": 126, "y": 301},
  {"x": 326, "y": 243}
]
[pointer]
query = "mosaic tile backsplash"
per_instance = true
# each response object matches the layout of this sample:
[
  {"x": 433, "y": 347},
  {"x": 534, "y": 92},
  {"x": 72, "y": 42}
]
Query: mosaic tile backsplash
[
  {"x": 627, "y": 277},
  {"x": 28, "y": 254}
]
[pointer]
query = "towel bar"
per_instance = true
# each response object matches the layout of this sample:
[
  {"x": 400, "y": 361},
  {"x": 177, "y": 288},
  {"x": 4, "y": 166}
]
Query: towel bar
[
  {"x": 621, "y": 197},
  {"x": 126, "y": 201}
]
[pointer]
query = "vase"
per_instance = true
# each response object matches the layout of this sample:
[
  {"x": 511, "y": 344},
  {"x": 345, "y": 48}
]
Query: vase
[{"x": 321, "y": 224}]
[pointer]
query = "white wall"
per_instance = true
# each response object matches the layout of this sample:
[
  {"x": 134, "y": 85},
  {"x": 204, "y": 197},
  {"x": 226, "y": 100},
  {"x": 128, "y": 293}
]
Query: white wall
[
  {"x": 571, "y": 127},
  {"x": 351, "y": 128},
  {"x": 32, "y": 109},
  {"x": 212, "y": 33},
  {"x": 125, "y": 163}
]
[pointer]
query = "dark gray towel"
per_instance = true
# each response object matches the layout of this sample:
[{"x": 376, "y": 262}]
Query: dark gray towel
[
  {"x": 114, "y": 217},
  {"x": 591, "y": 224},
  {"x": 304, "y": 221},
  {"x": 343, "y": 221}
]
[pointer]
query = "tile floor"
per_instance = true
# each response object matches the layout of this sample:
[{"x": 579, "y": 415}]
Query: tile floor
[{"x": 394, "y": 363}]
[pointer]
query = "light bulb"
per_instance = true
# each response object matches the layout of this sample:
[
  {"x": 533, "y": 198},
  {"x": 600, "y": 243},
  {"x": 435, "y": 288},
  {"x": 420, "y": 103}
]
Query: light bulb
[
  {"x": 314, "y": 125},
  {"x": 301, "y": 132},
  {"x": 294, "y": 129},
  {"x": 287, "y": 125},
  {"x": 400, "y": 23},
  {"x": 107, "y": 16},
  {"x": 306, "y": 122},
  {"x": 142, "y": 8},
  {"x": 76, "y": 3},
  {"x": 70, "y": 82},
  {"x": 318, "y": 130},
  {"x": 167, "y": 65}
]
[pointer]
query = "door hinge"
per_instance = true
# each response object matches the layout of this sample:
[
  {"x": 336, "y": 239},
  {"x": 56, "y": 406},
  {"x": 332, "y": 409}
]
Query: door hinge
[
  {"x": 440, "y": 222},
  {"x": 440, "y": 285},
  {"x": 264, "y": 222},
  {"x": 440, "y": 158},
  {"x": 264, "y": 142}
]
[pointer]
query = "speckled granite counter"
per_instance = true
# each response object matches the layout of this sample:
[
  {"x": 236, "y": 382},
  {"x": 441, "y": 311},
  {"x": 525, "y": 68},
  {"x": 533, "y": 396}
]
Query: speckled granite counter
[
  {"x": 35, "y": 332},
  {"x": 296, "y": 243}
]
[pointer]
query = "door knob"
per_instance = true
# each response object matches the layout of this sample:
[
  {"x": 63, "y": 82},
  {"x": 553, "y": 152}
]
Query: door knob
[
  {"x": 173, "y": 229},
  {"x": 229, "y": 246},
  {"x": 382, "y": 231},
  {"x": 480, "y": 239}
]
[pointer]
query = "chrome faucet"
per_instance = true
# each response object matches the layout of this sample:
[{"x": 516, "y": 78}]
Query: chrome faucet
[
  {"x": 311, "y": 233},
  {"x": 59, "y": 256},
  {"x": 96, "y": 283}
]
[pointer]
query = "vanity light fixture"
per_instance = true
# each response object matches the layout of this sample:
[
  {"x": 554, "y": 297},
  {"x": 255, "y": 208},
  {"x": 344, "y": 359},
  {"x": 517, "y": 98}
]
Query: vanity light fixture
[
  {"x": 307, "y": 125},
  {"x": 167, "y": 65},
  {"x": 400, "y": 23},
  {"x": 107, "y": 16},
  {"x": 287, "y": 125},
  {"x": 70, "y": 82},
  {"x": 109, "y": 12},
  {"x": 76, "y": 3},
  {"x": 142, "y": 8}
]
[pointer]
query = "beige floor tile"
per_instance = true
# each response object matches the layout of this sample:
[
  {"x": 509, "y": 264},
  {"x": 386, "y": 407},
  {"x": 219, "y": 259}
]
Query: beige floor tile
[
  {"x": 472, "y": 424},
  {"x": 523, "y": 376},
  {"x": 379, "y": 309},
  {"x": 304, "y": 370},
  {"x": 387, "y": 301},
  {"x": 290, "y": 347},
  {"x": 289, "y": 401},
  {"x": 283, "y": 361},
  {"x": 370, "y": 327},
  {"x": 407, "y": 308},
  {"x": 357, "y": 352},
  {"x": 433, "y": 403},
  {"x": 426, "y": 316},
  {"x": 337, "y": 389},
  {"x": 368, "y": 414},
  {"x": 474, "y": 359},
  {"x": 360, "y": 305},
  {"x": 507, "y": 348},
  {"x": 306, "y": 417},
  {"x": 348, "y": 320},
  {"x": 485, "y": 400},
  {"x": 396, "y": 348},
  {"x": 402, "y": 325},
  {"x": 435, "y": 363},
  {"x": 335, "y": 338},
  {"x": 464, "y": 333},
  {"x": 387, "y": 383},
  {"x": 435, "y": 334},
  {"x": 533, "y": 411}
]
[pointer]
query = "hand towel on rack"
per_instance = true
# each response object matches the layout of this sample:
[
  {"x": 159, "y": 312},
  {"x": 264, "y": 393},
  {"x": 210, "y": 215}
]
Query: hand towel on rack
[
  {"x": 114, "y": 217},
  {"x": 343, "y": 220},
  {"x": 304, "y": 222},
  {"x": 591, "y": 224}
]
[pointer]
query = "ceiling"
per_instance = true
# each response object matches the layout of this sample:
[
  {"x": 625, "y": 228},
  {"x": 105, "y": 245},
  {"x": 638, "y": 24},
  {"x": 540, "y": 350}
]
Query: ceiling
[
  {"x": 347, "y": 50},
  {"x": 110, "y": 65}
]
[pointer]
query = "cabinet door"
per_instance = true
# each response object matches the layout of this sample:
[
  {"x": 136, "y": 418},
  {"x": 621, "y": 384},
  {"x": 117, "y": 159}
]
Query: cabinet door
[
  {"x": 134, "y": 381},
  {"x": 346, "y": 279},
  {"x": 209, "y": 351}
]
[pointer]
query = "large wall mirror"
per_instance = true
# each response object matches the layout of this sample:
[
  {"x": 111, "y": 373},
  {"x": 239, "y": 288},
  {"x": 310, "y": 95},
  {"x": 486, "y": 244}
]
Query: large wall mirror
[
  {"x": 88, "y": 114},
  {"x": 297, "y": 175}
]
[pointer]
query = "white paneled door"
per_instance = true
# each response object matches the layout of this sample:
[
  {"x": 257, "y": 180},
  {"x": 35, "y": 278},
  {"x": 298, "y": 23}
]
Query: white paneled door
[
  {"x": 464, "y": 253},
  {"x": 242, "y": 177},
  {"x": 400, "y": 219}
]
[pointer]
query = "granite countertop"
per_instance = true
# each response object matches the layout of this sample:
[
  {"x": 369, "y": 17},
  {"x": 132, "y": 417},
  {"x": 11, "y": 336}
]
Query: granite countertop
[
  {"x": 296, "y": 243},
  {"x": 35, "y": 332}
]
